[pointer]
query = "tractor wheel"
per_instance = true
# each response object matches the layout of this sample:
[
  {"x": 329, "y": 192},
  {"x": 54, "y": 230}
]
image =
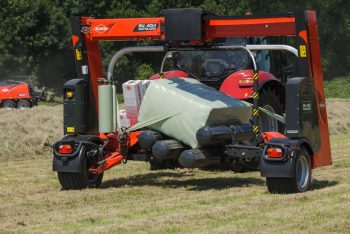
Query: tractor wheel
[
  {"x": 270, "y": 101},
  {"x": 23, "y": 104},
  {"x": 9, "y": 105},
  {"x": 301, "y": 180}
]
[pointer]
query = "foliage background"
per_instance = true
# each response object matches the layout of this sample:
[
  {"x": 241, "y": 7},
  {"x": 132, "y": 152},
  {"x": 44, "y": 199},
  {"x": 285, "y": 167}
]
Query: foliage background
[{"x": 35, "y": 35}]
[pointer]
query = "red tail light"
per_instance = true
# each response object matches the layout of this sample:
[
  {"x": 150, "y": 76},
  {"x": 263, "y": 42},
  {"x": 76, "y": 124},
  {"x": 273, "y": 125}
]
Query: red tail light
[
  {"x": 65, "y": 149},
  {"x": 246, "y": 82},
  {"x": 274, "y": 153}
]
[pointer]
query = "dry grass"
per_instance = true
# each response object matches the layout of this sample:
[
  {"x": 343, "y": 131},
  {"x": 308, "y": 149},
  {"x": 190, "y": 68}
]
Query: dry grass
[
  {"x": 134, "y": 200},
  {"x": 23, "y": 132},
  {"x": 338, "y": 115}
]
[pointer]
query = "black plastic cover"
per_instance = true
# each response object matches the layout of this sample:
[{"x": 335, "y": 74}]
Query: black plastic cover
[
  {"x": 184, "y": 24},
  {"x": 75, "y": 107},
  {"x": 69, "y": 163},
  {"x": 301, "y": 111}
]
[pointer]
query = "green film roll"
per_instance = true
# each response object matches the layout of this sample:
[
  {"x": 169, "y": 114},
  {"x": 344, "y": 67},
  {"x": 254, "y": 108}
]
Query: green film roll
[{"x": 105, "y": 108}]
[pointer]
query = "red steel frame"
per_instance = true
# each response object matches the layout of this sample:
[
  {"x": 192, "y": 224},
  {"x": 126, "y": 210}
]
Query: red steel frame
[{"x": 96, "y": 30}]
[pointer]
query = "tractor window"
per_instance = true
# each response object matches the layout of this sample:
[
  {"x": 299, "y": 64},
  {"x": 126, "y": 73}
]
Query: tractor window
[{"x": 212, "y": 64}]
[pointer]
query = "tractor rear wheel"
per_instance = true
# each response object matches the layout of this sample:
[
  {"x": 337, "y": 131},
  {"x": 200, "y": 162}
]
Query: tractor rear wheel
[
  {"x": 301, "y": 180},
  {"x": 23, "y": 104},
  {"x": 9, "y": 105},
  {"x": 270, "y": 101}
]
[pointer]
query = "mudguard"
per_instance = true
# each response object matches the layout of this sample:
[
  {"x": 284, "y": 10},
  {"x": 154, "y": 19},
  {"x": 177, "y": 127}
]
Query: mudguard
[
  {"x": 73, "y": 162},
  {"x": 69, "y": 162},
  {"x": 281, "y": 167}
]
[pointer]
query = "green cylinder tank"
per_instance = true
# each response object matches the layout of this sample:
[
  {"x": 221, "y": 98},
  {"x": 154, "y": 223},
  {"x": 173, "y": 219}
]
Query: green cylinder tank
[{"x": 105, "y": 108}]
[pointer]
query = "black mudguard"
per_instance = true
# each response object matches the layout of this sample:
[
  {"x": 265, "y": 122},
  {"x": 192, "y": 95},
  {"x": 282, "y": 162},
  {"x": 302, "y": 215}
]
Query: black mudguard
[
  {"x": 73, "y": 162},
  {"x": 282, "y": 167},
  {"x": 69, "y": 162}
]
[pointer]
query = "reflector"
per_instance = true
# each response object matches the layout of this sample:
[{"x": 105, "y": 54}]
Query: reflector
[
  {"x": 65, "y": 149},
  {"x": 246, "y": 82},
  {"x": 275, "y": 153}
]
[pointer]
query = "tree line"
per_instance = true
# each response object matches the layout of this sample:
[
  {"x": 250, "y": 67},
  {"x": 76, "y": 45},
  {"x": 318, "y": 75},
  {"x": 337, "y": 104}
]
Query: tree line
[{"x": 35, "y": 35}]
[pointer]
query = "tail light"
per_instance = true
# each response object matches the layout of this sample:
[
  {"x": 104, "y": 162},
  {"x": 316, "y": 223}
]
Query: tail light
[
  {"x": 246, "y": 82},
  {"x": 65, "y": 149},
  {"x": 274, "y": 152}
]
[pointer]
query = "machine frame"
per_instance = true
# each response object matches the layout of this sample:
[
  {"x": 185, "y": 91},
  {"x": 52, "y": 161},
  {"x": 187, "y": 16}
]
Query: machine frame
[{"x": 308, "y": 131}]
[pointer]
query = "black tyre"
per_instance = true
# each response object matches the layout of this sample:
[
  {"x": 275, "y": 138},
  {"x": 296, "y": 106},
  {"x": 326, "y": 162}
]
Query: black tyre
[
  {"x": 83, "y": 179},
  {"x": 301, "y": 180},
  {"x": 23, "y": 104},
  {"x": 270, "y": 100},
  {"x": 9, "y": 105}
]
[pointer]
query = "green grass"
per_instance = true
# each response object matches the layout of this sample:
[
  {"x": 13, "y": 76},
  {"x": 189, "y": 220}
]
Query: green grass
[
  {"x": 120, "y": 97},
  {"x": 133, "y": 199},
  {"x": 338, "y": 87}
]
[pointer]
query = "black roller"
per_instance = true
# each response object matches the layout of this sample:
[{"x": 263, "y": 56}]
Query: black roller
[
  {"x": 167, "y": 149},
  {"x": 148, "y": 138},
  {"x": 197, "y": 158},
  {"x": 213, "y": 135},
  {"x": 242, "y": 132},
  {"x": 219, "y": 135}
]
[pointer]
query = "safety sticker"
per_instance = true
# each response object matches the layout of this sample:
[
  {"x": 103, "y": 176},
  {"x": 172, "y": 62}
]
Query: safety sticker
[
  {"x": 70, "y": 129},
  {"x": 302, "y": 52},
  {"x": 78, "y": 54}
]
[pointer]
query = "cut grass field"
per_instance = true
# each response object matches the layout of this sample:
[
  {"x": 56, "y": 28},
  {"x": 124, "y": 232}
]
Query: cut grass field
[{"x": 135, "y": 200}]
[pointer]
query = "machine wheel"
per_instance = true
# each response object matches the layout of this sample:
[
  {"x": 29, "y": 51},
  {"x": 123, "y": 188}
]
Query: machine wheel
[
  {"x": 9, "y": 105},
  {"x": 301, "y": 180},
  {"x": 270, "y": 101},
  {"x": 23, "y": 104},
  {"x": 84, "y": 179},
  {"x": 81, "y": 180}
]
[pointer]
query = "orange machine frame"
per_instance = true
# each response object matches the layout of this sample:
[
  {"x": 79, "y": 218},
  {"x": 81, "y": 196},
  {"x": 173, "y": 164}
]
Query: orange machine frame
[{"x": 87, "y": 32}]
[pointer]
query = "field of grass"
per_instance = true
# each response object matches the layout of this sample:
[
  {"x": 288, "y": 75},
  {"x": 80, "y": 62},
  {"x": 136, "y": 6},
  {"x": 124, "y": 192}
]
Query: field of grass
[
  {"x": 338, "y": 87},
  {"x": 135, "y": 200}
]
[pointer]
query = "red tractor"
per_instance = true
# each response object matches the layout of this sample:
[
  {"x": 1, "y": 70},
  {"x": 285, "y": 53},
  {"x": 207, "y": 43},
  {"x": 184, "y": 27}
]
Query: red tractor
[
  {"x": 16, "y": 94},
  {"x": 285, "y": 136},
  {"x": 231, "y": 72}
]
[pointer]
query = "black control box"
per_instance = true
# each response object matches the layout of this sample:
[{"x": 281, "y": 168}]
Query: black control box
[
  {"x": 301, "y": 111},
  {"x": 184, "y": 24},
  {"x": 75, "y": 107}
]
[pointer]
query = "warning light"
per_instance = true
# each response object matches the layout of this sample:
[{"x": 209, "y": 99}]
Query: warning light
[{"x": 69, "y": 94}]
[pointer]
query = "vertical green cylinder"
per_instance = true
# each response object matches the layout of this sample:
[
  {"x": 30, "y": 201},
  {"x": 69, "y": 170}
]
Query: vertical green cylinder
[{"x": 105, "y": 108}]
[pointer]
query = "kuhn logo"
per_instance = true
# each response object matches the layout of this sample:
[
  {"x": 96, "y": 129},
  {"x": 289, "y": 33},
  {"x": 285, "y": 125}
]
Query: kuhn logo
[
  {"x": 5, "y": 90},
  {"x": 101, "y": 28}
]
